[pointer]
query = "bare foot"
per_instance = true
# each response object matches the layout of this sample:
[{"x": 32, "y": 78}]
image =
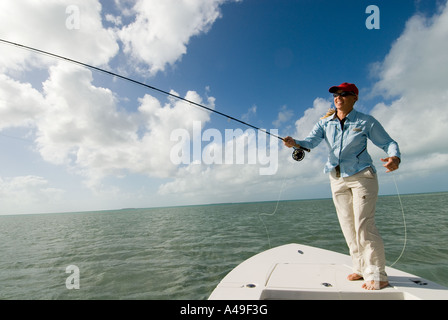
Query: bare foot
[
  {"x": 354, "y": 277},
  {"x": 373, "y": 285}
]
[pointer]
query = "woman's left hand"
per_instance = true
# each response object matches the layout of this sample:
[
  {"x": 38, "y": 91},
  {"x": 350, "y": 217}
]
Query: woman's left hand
[{"x": 392, "y": 163}]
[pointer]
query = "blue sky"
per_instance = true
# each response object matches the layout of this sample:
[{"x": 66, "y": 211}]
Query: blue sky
[{"x": 77, "y": 140}]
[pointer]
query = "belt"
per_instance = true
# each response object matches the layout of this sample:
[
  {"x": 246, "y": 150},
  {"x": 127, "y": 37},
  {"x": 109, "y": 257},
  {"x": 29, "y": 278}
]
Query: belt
[{"x": 338, "y": 171}]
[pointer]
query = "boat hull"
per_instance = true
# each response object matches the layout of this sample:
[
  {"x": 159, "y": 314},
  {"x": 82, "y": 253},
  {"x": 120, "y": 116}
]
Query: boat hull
[{"x": 300, "y": 272}]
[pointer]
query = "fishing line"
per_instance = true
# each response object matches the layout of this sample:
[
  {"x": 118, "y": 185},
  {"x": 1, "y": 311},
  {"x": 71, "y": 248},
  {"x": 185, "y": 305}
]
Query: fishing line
[
  {"x": 273, "y": 213},
  {"x": 138, "y": 83},
  {"x": 15, "y": 138},
  {"x": 404, "y": 222},
  {"x": 298, "y": 153}
]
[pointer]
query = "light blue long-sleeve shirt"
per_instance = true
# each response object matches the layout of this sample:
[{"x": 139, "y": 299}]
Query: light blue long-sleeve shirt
[{"x": 348, "y": 147}]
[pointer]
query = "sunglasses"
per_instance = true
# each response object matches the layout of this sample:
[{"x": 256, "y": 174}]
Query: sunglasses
[{"x": 344, "y": 94}]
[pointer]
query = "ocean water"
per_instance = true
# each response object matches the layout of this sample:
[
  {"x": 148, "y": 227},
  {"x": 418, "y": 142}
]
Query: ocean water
[{"x": 183, "y": 252}]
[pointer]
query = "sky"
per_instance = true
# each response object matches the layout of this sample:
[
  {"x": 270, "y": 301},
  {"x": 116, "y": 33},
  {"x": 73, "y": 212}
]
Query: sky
[{"x": 74, "y": 139}]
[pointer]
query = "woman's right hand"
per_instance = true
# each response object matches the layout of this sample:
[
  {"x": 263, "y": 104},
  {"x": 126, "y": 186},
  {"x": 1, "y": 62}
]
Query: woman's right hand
[{"x": 290, "y": 142}]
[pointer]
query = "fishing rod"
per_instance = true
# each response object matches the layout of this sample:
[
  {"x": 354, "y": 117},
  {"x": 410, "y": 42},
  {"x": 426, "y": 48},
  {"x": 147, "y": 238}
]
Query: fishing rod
[{"x": 298, "y": 153}]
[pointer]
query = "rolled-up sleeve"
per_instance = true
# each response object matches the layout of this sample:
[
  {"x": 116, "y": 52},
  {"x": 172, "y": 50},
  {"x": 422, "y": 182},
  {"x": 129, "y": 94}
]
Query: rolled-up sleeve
[
  {"x": 381, "y": 139},
  {"x": 314, "y": 138},
  {"x": 348, "y": 145}
]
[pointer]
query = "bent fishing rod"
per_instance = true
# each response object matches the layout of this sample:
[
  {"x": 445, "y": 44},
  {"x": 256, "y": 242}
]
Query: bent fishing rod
[{"x": 298, "y": 153}]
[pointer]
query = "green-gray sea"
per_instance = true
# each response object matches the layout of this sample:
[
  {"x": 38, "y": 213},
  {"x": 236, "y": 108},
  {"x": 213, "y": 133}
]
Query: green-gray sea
[{"x": 183, "y": 252}]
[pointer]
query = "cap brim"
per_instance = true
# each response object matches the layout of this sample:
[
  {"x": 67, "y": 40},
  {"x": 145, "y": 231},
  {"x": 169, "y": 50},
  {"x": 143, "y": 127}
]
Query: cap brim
[{"x": 333, "y": 89}]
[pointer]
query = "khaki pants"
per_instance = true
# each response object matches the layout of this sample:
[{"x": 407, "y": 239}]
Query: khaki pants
[{"x": 355, "y": 199}]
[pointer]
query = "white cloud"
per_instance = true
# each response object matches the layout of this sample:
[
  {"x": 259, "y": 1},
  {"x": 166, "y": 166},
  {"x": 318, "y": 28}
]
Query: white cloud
[
  {"x": 198, "y": 183},
  {"x": 80, "y": 125},
  {"x": 79, "y": 117},
  {"x": 83, "y": 127},
  {"x": 160, "y": 122},
  {"x": 20, "y": 103},
  {"x": 240, "y": 158},
  {"x": 252, "y": 111},
  {"x": 162, "y": 30},
  {"x": 305, "y": 124},
  {"x": 284, "y": 116},
  {"x": 43, "y": 25},
  {"x": 26, "y": 194},
  {"x": 263, "y": 174},
  {"x": 417, "y": 61},
  {"x": 415, "y": 74}
]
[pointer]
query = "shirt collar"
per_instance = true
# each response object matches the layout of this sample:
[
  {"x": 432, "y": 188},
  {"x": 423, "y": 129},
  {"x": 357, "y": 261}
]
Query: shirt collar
[{"x": 351, "y": 116}]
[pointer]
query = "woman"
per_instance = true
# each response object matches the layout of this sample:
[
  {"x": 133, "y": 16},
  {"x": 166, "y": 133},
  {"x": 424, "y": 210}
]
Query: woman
[{"x": 353, "y": 179}]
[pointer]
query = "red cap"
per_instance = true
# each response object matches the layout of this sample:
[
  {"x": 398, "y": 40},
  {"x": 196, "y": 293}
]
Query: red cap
[{"x": 345, "y": 87}]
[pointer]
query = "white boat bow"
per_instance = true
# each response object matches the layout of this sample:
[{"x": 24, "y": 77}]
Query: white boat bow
[{"x": 295, "y": 271}]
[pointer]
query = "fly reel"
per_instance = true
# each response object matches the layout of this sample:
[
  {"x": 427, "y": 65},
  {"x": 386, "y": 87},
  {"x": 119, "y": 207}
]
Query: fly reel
[{"x": 299, "y": 153}]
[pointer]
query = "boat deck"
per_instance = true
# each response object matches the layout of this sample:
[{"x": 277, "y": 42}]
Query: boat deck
[{"x": 301, "y": 272}]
